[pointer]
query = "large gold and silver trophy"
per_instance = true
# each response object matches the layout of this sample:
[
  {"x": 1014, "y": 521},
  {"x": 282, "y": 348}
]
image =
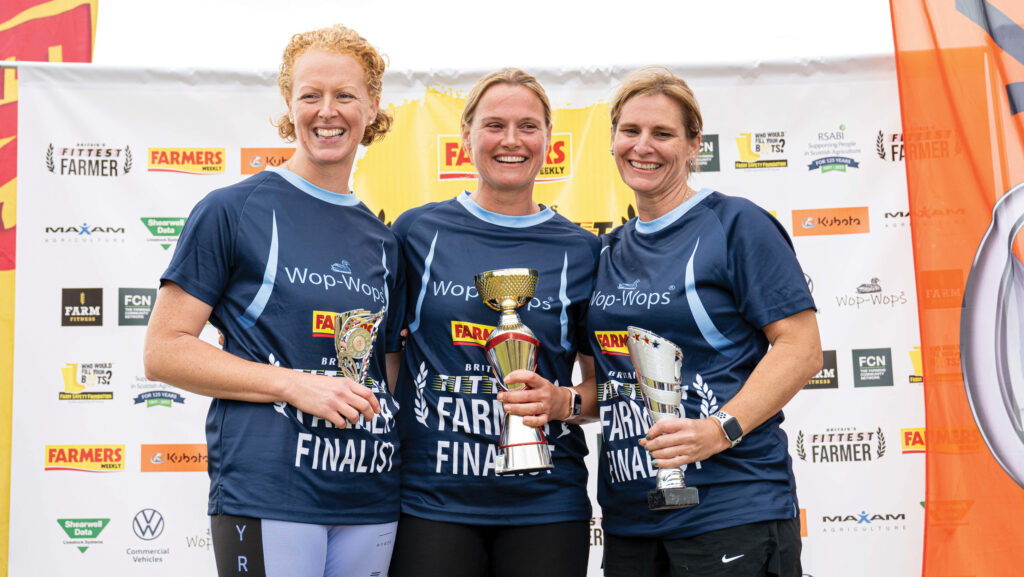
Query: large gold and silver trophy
[
  {"x": 658, "y": 363},
  {"x": 510, "y": 347},
  {"x": 354, "y": 334}
]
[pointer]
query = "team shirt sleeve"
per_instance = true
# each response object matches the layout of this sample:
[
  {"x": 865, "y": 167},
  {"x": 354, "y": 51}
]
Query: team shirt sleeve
[
  {"x": 202, "y": 259},
  {"x": 767, "y": 279},
  {"x": 396, "y": 304}
]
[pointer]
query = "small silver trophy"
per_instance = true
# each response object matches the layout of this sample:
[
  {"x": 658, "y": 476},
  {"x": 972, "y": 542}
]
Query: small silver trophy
[
  {"x": 658, "y": 365},
  {"x": 354, "y": 334},
  {"x": 512, "y": 346}
]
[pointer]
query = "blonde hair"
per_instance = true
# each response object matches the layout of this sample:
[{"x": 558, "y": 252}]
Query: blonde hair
[
  {"x": 340, "y": 40},
  {"x": 660, "y": 80},
  {"x": 511, "y": 76}
]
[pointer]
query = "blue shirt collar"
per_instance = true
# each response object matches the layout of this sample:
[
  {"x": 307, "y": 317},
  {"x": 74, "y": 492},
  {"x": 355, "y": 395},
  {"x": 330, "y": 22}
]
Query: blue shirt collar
[
  {"x": 505, "y": 220},
  {"x": 313, "y": 190},
  {"x": 673, "y": 215}
]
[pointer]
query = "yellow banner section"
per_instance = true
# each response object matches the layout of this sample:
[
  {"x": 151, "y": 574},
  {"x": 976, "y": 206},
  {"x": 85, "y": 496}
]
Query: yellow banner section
[
  {"x": 612, "y": 342},
  {"x": 581, "y": 137}
]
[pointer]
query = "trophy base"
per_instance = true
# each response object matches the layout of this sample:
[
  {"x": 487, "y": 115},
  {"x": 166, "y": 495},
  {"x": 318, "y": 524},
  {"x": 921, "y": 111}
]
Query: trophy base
[
  {"x": 672, "y": 498},
  {"x": 523, "y": 459}
]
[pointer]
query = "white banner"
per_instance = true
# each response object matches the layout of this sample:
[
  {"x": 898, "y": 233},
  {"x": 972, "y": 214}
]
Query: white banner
[{"x": 108, "y": 467}]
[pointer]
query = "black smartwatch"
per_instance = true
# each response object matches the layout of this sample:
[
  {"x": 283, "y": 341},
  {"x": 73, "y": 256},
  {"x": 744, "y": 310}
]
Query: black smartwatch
[
  {"x": 730, "y": 426},
  {"x": 576, "y": 406}
]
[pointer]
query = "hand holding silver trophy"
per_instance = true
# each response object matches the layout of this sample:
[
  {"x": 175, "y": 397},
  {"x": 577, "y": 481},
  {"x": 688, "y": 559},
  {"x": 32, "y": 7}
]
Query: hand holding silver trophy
[
  {"x": 658, "y": 363},
  {"x": 512, "y": 346},
  {"x": 354, "y": 334}
]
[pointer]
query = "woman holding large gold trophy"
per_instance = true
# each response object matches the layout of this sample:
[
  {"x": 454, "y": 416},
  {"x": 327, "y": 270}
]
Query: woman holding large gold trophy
[
  {"x": 484, "y": 493},
  {"x": 707, "y": 283}
]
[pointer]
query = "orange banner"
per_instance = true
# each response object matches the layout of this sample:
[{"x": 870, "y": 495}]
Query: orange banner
[{"x": 961, "y": 76}]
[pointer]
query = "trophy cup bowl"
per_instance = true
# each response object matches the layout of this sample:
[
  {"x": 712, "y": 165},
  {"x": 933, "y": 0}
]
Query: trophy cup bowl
[
  {"x": 354, "y": 334},
  {"x": 512, "y": 346},
  {"x": 658, "y": 363}
]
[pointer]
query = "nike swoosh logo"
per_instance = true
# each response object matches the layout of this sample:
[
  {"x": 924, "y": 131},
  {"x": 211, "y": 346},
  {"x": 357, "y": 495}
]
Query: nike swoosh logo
[{"x": 730, "y": 559}]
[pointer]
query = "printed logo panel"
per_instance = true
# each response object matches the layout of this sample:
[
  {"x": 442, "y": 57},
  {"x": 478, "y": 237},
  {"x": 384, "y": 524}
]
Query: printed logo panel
[
  {"x": 134, "y": 305},
  {"x": 187, "y": 160},
  {"x": 86, "y": 382},
  {"x": 454, "y": 163},
  {"x": 761, "y": 150},
  {"x": 323, "y": 323},
  {"x": 913, "y": 440},
  {"x": 83, "y": 533},
  {"x": 89, "y": 159},
  {"x": 465, "y": 333},
  {"x": 872, "y": 367},
  {"x": 827, "y": 377},
  {"x": 258, "y": 159},
  {"x": 173, "y": 458},
  {"x": 164, "y": 230},
  {"x": 841, "y": 445},
  {"x": 81, "y": 307},
  {"x": 612, "y": 342},
  {"x": 829, "y": 221},
  {"x": 91, "y": 458},
  {"x": 708, "y": 158}
]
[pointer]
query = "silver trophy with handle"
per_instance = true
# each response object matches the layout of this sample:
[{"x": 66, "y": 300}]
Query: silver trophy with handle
[{"x": 658, "y": 363}]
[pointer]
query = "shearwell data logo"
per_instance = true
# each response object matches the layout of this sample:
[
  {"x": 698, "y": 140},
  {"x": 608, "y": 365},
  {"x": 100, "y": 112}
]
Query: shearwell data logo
[
  {"x": 83, "y": 533},
  {"x": 164, "y": 230},
  {"x": 455, "y": 163}
]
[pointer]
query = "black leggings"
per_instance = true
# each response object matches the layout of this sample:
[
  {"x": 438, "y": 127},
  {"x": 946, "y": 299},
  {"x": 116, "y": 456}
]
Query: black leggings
[{"x": 434, "y": 549}]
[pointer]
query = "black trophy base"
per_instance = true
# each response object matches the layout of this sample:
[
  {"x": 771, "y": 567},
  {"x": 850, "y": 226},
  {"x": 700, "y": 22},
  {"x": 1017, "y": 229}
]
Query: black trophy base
[{"x": 672, "y": 498}]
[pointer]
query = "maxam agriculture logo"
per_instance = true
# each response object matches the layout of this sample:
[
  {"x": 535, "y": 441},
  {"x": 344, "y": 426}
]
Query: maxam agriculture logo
[
  {"x": 464, "y": 333},
  {"x": 83, "y": 533},
  {"x": 91, "y": 458},
  {"x": 86, "y": 382},
  {"x": 612, "y": 342},
  {"x": 863, "y": 522},
  {"x": 89, "y": 159},
  {"x": 454, "y": 163},
  {"x": 164, "y": 230},
  {"x": 187, "y": 160}
]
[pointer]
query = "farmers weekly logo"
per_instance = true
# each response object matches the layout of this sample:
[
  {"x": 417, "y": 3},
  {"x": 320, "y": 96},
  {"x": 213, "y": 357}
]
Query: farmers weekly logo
[
  {"x": 164, "y": 230},
  {"x": 187, "y": 160},
  {"x": 89, "y": 159},
  {"x": 454, "y": 163}
]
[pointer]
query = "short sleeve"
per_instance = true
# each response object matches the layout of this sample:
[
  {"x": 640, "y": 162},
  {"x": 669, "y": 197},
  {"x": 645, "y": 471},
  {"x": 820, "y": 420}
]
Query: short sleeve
[
  {"x": 396, "y": 302},
  {"x": 201, "y": 264},
  {"x": 767, "y": 280}
]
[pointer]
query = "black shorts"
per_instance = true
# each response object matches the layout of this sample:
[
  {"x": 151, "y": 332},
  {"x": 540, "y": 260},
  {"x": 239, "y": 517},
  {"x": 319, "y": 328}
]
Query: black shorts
[
  {"x": 434, "y": 549},
  {"x": 769, "y": 548}
]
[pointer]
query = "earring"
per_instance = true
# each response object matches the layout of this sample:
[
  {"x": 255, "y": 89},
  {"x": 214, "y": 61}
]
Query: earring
[{"x": 611, "y": 151}]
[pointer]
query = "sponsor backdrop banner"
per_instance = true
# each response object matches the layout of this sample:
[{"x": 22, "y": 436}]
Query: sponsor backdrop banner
[
  {"x": 962, "y": 91},
  {"x": 33, "y": 30},
  {"x": 108, "y": 466}
]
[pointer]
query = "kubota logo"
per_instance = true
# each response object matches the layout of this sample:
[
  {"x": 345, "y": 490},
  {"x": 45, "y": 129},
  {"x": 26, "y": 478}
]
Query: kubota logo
[
  {"x": 257, "y": 159},
  {"x": 464, "y": 333},
  {"x": 612, "y": 342},
  {"x": 187, "y": 160},
  {"x": 829, "y": 221},
  {"x": 454, "y": 163}
]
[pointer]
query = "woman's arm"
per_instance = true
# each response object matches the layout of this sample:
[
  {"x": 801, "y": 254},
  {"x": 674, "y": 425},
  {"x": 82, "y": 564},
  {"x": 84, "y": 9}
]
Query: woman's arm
[
  {"x": 174, "y": 354},
  {"x": 794, "y": 357}
]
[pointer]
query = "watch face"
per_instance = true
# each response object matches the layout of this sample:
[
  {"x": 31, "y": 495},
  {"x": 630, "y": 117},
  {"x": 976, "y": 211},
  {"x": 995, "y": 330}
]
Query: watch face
[
  {"x": 577, "y": 404},
  {"x": 732, "y": 429}
]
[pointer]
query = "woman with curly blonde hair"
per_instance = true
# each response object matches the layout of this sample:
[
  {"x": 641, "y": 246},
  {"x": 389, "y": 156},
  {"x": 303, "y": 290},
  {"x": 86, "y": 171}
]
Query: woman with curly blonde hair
[{"x": 303, "y": 461}]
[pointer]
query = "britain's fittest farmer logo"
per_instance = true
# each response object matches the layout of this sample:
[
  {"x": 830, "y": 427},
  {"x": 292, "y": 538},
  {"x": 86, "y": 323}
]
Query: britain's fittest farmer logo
[
  {"x": 89, "y": 159},
  {"x": 454, "y": 162},
  {"x": 187, "y": 160}
]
